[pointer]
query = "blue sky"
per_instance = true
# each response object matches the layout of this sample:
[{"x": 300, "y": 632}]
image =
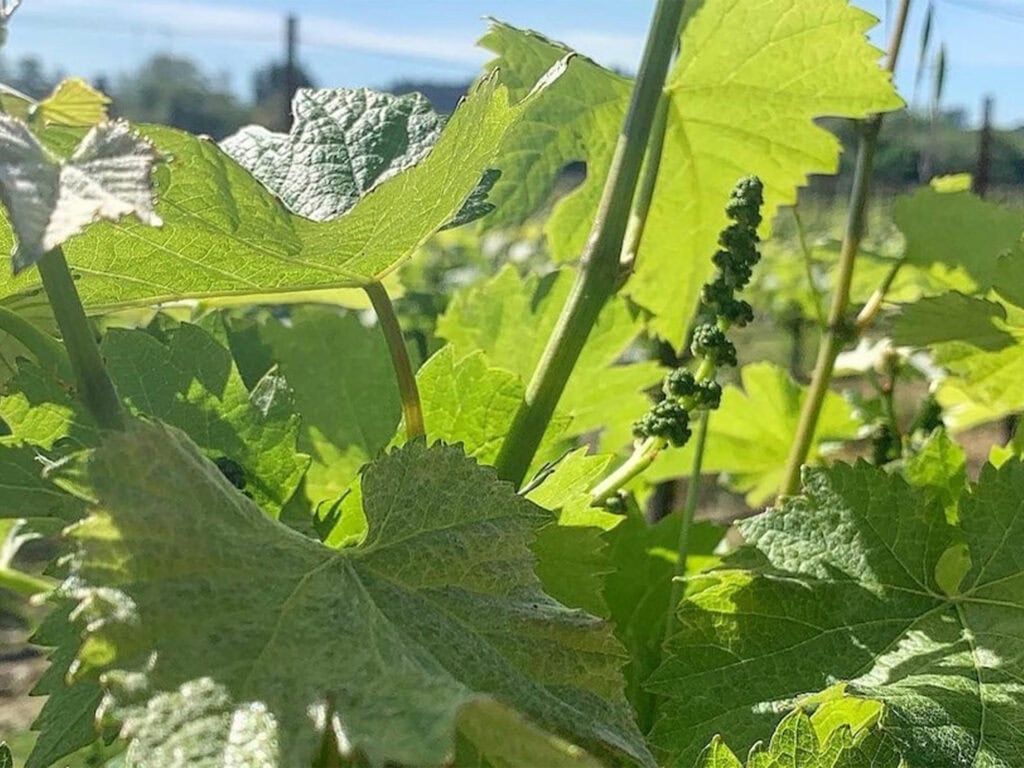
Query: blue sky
[{"x": 375, "y": 42}]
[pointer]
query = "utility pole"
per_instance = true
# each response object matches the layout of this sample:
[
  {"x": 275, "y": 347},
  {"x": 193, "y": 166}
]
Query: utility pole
[
  {"x": 291, "y": 77},
  {"x": 982, "y": 171}
]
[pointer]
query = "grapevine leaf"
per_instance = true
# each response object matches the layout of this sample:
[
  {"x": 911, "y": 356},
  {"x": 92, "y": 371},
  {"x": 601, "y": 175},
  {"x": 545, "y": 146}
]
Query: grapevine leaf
[
  {"x": 25, "y": 493},
  {"x": 849, "y": 582},
  {"x": 73, "y": 103},
  {"x": 6, "y": 758},
  {"x": 225, "y": 234},
  {"x": 572, "y": 556},
  {"x": 571, "y": 563},
  {"x": 957, "y": 236},
  {"x": 940, "y": 465},
  {"x": 173, "y": 559},
  {"x": 639, "y": 588},
  {"x": 717, "y": 755},
  {"x": 983, "y": 353},
  {"x": 750, "y": 435},
  {"x": 467, "y": 401},
  {"x": 498, "y": 738},
  {"x": 797, "y": 743},
  {"x": 566, "y": 489},
  {"x": 953, "y": 317},
  {"x": 49, "y": 201},
  {"x": 510, "y": 319},
  {"x": 345, "y": 392},
  {"x": 733, "y": 112},
  {"x": 343, "y": 143},
  {"x": 190, "y": 382},
  {"x": 66, "y": 722},
  {"x": 743, "y": 101},
  {"x": 577, "y": 119}
]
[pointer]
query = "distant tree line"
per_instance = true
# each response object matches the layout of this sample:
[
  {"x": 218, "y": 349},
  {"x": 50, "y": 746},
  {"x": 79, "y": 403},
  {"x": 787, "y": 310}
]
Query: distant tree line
[{"x": 175, "y": 90}]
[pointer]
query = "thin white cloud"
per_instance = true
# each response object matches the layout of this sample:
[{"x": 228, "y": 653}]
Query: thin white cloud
[
  {"x": 234, "y": 21},
  {"x": 610, "y": 49}
]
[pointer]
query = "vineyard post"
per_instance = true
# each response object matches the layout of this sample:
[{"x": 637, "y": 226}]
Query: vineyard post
[
  {"x": 600, "y": 270},
  {"x": 840, "y": 329}
]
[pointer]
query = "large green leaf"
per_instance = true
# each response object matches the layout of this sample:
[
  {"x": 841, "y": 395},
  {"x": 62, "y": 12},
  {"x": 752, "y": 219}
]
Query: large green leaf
[
  {"x": 191, "y": 382},
  {"x": 434, "y": 622},
  {"x": 748, "y": 84},
  {"x": 639, "y": 587},
  {"x": 226, "y": 234},
  {"x": 345, "y": 392},
  {"x": 953, "y": 317},
  {"x": 750, "y": 435},
  {"x": 862, "y": 579},
  {"x": 578, "y": 119},
  {"x": 510, "y": 319},
  {"x": 343, "y": 143},
  {"x": 957, "y": 237},
  {"x": 468, "y": 401},
  {"x": 743, "y": 95}
]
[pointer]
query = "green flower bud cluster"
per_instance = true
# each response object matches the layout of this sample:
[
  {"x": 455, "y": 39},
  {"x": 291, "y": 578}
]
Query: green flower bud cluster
[
  {"x": 694, "y": 395},
  {"x": 737, "y": 255},
  {"x": 686, "y": 392},
  {"x": 668, "y": 420}
]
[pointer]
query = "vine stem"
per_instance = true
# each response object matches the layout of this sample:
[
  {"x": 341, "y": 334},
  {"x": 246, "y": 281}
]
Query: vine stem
[
  {"x": 839, "y": 330},
  {"x": 689, "y": 511},
  {"x": 801, "y": 234},
  {"x": 600, "y": 268},
  {"x": 645, "y": 192},
  {"x": 94, "y": 385},
  {"x": 412, "y": 408},
  {"x": 645, "y": 452}
]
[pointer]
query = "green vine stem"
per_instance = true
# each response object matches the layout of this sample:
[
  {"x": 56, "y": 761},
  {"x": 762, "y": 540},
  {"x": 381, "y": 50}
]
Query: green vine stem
[
  {"x": 94, "y": 385},
  {"x": 643, "y": 454},
  {"x": 839, "y": 329},
  {"x": 412, "y": 408},
  {"x": 600, "y": 268},
  {"x": 805, "y": 250},
  {"x": 689, "y": 511},
  {"x": 47, "y": 351},
  {"x": 645, "y": 192}
]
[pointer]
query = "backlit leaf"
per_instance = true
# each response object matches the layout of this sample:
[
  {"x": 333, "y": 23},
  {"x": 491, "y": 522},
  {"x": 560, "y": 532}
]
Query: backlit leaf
[{"x": 49, "y": 200}]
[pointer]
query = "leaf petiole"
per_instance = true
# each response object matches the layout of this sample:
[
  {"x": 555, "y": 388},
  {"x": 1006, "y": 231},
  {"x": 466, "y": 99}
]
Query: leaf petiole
[
  {"x": 410, "y": 394},
  {"x": 94, "y": 384}
]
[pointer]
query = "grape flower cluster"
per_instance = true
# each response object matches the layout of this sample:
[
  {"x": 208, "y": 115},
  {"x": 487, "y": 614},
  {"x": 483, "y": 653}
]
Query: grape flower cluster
[{"x": 687, "y": 391}]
